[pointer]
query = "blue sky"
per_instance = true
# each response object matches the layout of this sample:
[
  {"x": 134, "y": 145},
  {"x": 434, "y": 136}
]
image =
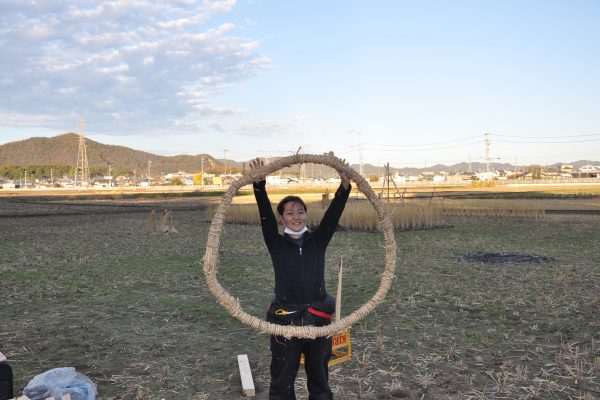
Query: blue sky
[{"x": 412, "y": 83}]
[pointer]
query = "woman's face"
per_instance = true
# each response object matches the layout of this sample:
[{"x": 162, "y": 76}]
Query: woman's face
[{"x": 294, "y": 216}]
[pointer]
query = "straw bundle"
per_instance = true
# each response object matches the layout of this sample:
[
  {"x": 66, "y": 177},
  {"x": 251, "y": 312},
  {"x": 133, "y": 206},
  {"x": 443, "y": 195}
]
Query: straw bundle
[{"x": 233, "y": 306}]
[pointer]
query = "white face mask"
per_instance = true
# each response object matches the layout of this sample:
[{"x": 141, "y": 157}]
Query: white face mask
[{"x": 291, "y": 232}]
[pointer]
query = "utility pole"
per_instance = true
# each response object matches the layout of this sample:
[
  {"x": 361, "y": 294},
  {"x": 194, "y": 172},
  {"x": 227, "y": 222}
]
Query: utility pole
[
  {"x": 360, "y": 160},
  {"x": 487, "y": 152},
  {"x": 301, "y": 166},
  {"x": 202, "y": 170},
  {"x": 225, "y": 159},
  {"x": 51, "y": 176},
  {"x": 149, "y": 165}
]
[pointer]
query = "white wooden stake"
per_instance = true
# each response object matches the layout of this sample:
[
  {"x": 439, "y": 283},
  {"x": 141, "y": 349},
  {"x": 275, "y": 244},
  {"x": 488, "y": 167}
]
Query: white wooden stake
[
  {"x": 338, "y": 295},
  {"x": 246, "y": 375}
]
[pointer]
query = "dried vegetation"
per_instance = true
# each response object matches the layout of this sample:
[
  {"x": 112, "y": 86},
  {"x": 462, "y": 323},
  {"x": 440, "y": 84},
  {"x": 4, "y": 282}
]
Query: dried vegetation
[{"x": 128, "y": 307}]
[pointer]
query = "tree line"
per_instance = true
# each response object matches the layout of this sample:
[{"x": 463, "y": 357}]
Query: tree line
[{"x": 55, "y": 171}]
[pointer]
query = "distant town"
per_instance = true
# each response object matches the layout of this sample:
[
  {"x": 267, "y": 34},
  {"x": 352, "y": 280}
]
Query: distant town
[
  {"x": 562, "y": 174},
  {"x": 209, "y": 174}
]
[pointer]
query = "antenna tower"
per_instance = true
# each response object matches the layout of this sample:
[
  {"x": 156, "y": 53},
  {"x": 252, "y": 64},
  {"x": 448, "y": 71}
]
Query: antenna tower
[{"x": 82, "y": 172}]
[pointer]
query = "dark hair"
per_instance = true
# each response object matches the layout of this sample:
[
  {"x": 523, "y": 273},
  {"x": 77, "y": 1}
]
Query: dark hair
[{"x": 289, "y": 199}]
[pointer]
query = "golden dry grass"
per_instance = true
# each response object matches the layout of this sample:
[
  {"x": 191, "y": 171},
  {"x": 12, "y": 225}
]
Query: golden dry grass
[
  {"x": 410, "y": 214},
  {"x": 357, "y": 216},
  {"x": 521, "y": 208}
]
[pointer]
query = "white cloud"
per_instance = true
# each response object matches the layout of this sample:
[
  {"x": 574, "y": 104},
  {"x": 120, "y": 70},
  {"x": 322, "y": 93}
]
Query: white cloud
[
  {"x": 114, "y": 69},
  {"x": 126, "y": 65},
  {"x": 66, "y": 90},
  {"x": 270, "y": 128}
]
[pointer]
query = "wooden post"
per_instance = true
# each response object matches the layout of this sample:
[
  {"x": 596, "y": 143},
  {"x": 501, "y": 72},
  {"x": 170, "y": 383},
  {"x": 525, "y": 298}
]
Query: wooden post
[
  {"x": 338, "y": 295},
  {"x": 246, "y": 375}
]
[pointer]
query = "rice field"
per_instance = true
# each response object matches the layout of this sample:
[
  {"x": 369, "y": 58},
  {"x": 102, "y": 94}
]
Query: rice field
[{"x": 92, "y": 285}]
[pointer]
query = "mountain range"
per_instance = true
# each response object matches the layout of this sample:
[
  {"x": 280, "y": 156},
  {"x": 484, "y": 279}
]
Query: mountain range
[{"x": 63, "y": 149}]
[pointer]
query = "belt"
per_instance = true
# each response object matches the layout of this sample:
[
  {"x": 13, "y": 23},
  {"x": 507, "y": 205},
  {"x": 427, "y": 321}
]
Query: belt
[{"x": 321, "y": 314}]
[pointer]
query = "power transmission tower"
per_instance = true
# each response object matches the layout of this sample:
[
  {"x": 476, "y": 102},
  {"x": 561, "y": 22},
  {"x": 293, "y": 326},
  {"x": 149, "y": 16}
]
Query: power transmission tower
[{"x": 82, "y": 172}]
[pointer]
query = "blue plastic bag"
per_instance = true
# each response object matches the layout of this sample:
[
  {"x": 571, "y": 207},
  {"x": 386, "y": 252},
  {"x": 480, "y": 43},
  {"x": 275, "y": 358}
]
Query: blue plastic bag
[{"x": 60, "y": 381}]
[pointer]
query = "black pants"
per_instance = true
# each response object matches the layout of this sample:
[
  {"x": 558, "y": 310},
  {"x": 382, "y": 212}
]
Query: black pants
[
  {"x": 6, "y": 381},
  {"x": 285, "y": 361}
]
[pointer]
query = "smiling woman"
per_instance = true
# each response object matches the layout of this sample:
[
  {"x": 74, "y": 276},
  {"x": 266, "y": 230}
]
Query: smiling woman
[
  {"x": 293, "y": 214},
  {"x": 233, "y": 305}
]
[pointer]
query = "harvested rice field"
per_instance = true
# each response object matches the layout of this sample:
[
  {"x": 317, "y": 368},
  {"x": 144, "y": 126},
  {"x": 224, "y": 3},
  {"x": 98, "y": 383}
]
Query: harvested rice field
[{"x": 98, "y": 286}]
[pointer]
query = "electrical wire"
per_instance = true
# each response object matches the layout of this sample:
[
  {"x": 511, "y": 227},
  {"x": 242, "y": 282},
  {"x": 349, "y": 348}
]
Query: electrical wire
[
  {"x": 425, "y": 144},
  {"x": 545, "y": 142},
  {"x": 545, "y": 137}
]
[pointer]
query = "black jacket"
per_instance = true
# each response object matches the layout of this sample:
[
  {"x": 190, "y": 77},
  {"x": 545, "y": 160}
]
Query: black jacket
[{"x": 299, "y": 271}]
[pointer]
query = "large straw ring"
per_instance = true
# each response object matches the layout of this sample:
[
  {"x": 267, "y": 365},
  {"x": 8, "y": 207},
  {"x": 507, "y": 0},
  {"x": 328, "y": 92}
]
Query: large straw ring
[{"x": 232, "y": 304}]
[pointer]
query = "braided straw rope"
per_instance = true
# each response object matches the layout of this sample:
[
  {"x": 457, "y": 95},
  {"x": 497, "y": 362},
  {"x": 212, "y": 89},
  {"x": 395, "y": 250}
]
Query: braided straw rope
[{"x": 232, "y": 304}]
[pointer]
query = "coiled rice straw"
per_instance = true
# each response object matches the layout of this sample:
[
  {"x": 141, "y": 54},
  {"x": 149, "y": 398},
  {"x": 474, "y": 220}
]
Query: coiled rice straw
[{"x": 232, "y": 304}]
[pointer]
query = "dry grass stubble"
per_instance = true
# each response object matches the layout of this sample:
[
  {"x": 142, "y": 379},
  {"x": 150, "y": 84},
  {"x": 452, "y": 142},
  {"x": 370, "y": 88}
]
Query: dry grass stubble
[{"x": 129, "y": 308}]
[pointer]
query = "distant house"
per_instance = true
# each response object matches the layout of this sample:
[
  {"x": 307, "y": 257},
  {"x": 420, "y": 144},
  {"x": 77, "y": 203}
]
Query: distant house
[
  {"x": 487, "y": 176},
  {"x": 565, "y": 169},
  {"x": 399, "y": 179},
  {"x": 276, "y": 180},
  {"x": 106, "y": 181},
  {"x": 588, "y": 171},
  {"x": 7, "y": 184},
  {"x": 589, "y": 168}
]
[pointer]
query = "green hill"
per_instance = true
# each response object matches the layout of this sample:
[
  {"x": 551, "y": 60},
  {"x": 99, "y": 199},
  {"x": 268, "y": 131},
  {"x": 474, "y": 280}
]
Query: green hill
[{"x": 62, "y": 150}]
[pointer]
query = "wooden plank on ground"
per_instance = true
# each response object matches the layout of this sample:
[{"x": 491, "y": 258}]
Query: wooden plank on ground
[{"x": 246, "y": 375}]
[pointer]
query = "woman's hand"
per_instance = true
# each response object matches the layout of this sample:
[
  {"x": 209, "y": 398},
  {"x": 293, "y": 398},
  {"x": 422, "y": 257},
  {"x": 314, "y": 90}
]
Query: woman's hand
[
  {"x": 254, "y": 165},
  {"x": 345, "y": 179},
  {"x": 344, "y": 176}
]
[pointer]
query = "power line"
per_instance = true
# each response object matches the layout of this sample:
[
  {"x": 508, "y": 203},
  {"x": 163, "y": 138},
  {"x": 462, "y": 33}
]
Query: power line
[
  {"x": 429, "y": 149},
  {"x": 546, "y": 137},
  {"x": 425, "y": 144},
  {"x": 546, "y": 142}
]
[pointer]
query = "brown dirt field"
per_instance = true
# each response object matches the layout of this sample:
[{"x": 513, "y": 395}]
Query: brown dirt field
[{"x": 86, "y": 284}]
